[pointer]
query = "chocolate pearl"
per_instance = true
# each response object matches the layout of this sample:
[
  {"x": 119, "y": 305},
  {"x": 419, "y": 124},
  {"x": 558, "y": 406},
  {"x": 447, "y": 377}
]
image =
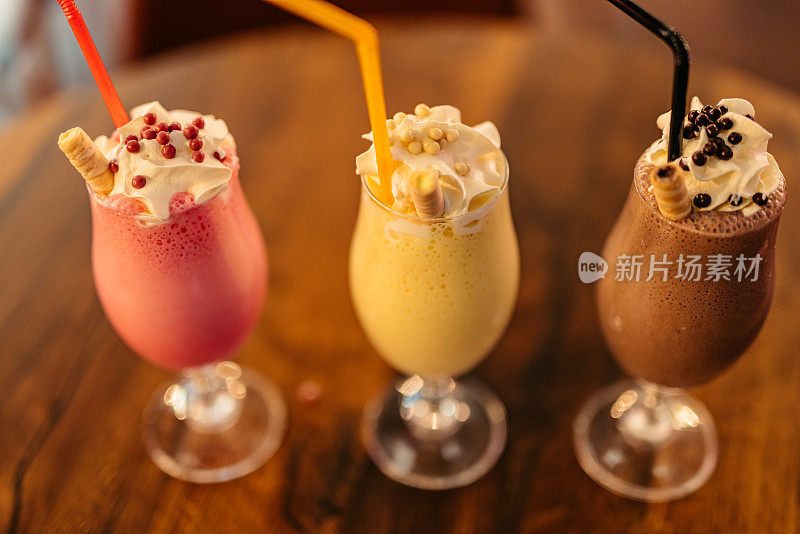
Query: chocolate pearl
[
  {"x": 709, "y": 149},
  {"x": 198, "y": 156},
  {"x": 723, "y": 109},
  {"x": 148, "y": 133},
  {"x": 196, "y": 143},
  {"x": 750, "y": 117},
  {"x": 131, "y": 138},
  {"x": 138, "y": 181},
  {"x": 113, "y": 166},
  {"x": 717, "y": 141},
  {"x": 174, "y": 126},
  {"x": 199, "y": 122},
  {"x": 190, "y": 131},
  {"x": 692, "y": 116},
  {"x": 699, "y": 158},
  {"x": 702, "y": 200},
  {"x": 162, "y": 138},
  {"x": 735, "y": 138},
  {"x": 683, "y": 164},
  {"x": 714, "y": 114},
  {"x": 725, "y": 123},
  {"x": 703, "y": 120},
  {"x": 760, "y": 199},
  {"x": 162, "y": 127},
  {"x": 712, "y": 130},
  {"x": 688, "y": 131},
  {"x": 735, "y": 200},
  {"x": 707, "y": 109},
  {"x": 150, "y": 118},
  {"x": 168, "y": 151},
  {"x": 132, "y": 146},
  {"x": 725, "y": 153}
]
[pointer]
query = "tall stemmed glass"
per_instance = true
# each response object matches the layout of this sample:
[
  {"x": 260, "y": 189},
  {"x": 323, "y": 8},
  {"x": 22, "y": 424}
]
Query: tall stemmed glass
[
  {"x": 646, "y": 438},
  {"x": 434, "y": 296},
  {"x": 184, "y": 294}
]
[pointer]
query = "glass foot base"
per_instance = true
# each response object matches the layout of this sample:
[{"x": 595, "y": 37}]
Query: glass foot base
[
  {"x": 646, "y": 442},
  {"x": 449, "y": 446},
  {"x": 218, "y": 425}
]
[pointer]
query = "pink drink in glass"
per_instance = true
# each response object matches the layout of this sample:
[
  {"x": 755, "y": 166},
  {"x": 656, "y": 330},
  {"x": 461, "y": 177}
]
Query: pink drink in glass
[{"x": 186, "y": 292}]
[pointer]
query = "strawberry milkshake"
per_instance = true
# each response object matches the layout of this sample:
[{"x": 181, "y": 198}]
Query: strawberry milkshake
[
  {"x": 179, "y": 261},
  {"x": 180, "y": 268}
]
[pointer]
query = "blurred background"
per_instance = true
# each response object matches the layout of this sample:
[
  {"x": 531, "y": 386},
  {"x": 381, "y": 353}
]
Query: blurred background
[{"x": 38, "y": 54}]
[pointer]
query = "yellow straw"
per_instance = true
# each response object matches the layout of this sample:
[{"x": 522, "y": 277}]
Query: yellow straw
[{"x": 365, "y": 36}]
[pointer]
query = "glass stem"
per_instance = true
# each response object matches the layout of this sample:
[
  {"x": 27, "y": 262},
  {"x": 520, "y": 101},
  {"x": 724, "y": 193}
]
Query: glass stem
[
  {"x": 208, "y": 397},
  {"x": 429, "y": 408},
  {"x": 644, "y": 417}
]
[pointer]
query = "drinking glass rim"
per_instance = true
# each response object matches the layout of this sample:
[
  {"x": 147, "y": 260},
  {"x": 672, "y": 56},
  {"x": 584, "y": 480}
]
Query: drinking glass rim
[
  {"x": 763, "y": 223},
  {"x": 149, "y": 217},
  {"x": 93, "y": 197},
  {"x": 434, "y": 220}
]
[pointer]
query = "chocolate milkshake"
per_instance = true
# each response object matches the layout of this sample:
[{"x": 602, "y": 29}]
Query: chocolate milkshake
[
  {"x": 690, "y": 280},
  {"x": 706, "y": 280}
]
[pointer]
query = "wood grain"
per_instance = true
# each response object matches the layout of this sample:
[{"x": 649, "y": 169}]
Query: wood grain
[{"x": 574, "y": 113}]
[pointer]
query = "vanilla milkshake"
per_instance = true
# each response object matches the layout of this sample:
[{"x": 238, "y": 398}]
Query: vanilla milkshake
[
  {"x": 434, "y": 279},
  {"x": 434, "y": 295}
]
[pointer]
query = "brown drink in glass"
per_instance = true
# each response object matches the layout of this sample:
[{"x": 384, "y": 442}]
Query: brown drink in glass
[{"x": 684, "y": 297}]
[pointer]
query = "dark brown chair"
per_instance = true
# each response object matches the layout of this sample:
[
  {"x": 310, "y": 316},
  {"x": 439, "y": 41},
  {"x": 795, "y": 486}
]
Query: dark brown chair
[{"x": 160, "y": 25}]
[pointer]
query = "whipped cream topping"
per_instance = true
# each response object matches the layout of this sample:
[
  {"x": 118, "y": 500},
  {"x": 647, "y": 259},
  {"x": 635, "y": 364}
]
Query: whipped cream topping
[
  {"x": 198, "y": 172},
  {"x": 469, "y": 161},
  {"x": 739, "y": 177}
]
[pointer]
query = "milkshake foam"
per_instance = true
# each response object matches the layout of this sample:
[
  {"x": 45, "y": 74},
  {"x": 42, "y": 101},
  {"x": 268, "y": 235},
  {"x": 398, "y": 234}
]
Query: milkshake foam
[{"x": 161, "y": 153}]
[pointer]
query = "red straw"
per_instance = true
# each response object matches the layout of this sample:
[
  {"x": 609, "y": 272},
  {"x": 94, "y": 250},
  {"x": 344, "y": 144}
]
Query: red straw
[{"x": 109, "y": 94}]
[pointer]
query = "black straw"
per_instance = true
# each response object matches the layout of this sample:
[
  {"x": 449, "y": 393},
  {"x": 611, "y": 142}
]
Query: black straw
[{"x": 680, "y": 79}]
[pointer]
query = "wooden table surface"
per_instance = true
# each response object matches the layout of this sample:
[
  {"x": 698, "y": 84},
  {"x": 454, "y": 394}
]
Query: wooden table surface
[{"x": 574, "y": 113}]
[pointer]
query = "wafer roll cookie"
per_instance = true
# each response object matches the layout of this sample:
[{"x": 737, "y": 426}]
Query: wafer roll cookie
[
  {"x": 670, "y": 191},
  {"x": 426, "y": 192},
  {"x": 87, "y": 159}
]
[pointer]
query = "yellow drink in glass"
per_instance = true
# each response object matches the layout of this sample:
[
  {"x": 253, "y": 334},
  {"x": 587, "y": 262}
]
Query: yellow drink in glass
[{"x": 434, "y": 295}]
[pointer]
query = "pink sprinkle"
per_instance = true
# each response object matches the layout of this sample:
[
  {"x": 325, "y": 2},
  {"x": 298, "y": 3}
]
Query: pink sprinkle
[
  {"x": 150, "y": 118},
  {"x": 196, "y": 143},
  {"x": 132, "y": 146},
  {"x": 138, "y": 181},
  {"x": 168, "y": 151},
  {"x": 190, "y": 131},
  {"x": 199, "y": 122},
  {"x": 198, "y": 156},
  {"x": 162, "y": 138}
]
